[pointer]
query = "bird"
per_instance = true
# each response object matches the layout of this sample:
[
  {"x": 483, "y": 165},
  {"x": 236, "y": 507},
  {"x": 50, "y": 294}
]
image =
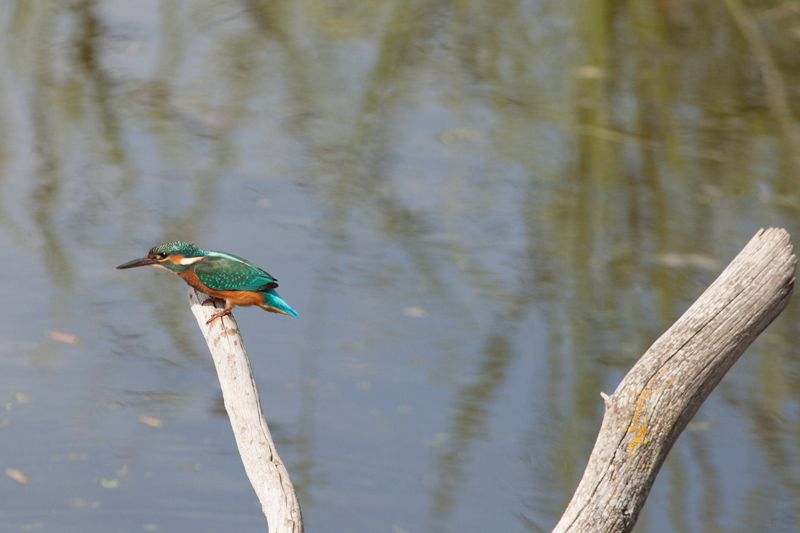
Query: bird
[{"x": 223, "y": 277}]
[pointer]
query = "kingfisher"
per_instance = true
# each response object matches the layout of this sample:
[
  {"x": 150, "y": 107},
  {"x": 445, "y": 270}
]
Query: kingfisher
[{"x": 223, "y": 277}]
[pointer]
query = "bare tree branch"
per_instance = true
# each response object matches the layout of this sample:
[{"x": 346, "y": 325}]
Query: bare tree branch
[
  {"x": 264, "y": 467},
  {"x": 664, "y": 389}
]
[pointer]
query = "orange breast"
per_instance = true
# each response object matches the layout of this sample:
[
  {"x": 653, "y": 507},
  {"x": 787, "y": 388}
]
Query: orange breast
[{"x": 241, "y": 297}]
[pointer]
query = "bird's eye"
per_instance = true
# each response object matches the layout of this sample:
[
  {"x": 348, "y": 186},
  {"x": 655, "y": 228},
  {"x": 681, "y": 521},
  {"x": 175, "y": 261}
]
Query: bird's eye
[{"x": 162, "y": 255}]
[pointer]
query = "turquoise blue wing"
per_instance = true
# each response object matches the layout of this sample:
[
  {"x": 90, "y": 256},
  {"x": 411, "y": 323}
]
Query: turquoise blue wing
[{"x": 231, "y": 273}]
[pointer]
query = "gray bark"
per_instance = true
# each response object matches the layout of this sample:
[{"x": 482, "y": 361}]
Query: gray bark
[
  {"x": 264, "y": 467},
  {"x": 664, "y": 389}
]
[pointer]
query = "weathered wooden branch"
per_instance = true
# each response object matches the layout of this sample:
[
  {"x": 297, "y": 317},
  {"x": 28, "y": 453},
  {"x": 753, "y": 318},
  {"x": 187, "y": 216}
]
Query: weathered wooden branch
[
  {"x": 664, "y": 389},
  {"x": 264, "y": 467}
]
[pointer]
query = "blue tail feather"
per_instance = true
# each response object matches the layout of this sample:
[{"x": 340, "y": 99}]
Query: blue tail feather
[{"x": 273, "y": 299}]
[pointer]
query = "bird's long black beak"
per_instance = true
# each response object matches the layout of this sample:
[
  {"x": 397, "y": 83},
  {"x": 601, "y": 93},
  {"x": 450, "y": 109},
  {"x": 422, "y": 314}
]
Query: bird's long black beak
[{"x": 144, "y": 261}]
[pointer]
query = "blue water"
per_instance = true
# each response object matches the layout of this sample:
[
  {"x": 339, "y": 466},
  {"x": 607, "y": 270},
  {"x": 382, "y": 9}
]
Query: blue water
[{"x": 483, "y": 217}]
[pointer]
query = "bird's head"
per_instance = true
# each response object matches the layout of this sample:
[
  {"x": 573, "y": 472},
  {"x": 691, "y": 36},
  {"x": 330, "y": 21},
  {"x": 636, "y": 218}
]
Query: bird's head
[{"x": 174, "y": 256}]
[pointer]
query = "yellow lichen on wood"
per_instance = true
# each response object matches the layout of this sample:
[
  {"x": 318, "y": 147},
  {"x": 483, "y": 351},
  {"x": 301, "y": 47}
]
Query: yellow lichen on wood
[{"x": 638, "y": 426}]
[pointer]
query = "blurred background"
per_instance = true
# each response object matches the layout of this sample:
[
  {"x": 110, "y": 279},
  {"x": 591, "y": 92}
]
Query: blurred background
[{"x": 484, "y": 213}]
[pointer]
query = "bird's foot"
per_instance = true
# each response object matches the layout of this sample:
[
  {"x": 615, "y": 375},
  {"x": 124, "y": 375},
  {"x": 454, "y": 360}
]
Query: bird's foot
[{"x": 218, "y": 315}]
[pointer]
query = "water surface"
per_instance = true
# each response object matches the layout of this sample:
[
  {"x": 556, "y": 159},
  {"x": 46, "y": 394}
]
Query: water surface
[{"x": 484, "y": 213}]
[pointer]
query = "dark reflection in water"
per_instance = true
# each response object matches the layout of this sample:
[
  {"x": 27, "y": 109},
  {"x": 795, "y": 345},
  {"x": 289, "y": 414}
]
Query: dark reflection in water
[{"x": 485, "y": 213}]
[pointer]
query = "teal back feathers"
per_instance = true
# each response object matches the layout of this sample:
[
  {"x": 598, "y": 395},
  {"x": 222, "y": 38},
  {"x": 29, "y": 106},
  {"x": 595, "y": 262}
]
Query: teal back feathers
[{"x": 226, "y": 272}]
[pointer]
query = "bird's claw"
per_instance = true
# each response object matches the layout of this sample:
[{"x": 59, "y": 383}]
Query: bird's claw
[{"x": 218, "y": 315}]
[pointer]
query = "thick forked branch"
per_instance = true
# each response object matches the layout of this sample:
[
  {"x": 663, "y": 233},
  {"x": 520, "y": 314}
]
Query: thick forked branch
[
  {"x": 665, "y": 388},
  {"x": 266, "y": 471}
]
